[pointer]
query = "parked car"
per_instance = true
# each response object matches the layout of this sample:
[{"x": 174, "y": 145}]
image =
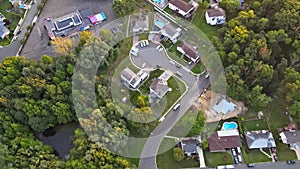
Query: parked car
[
  {"x": 206, "y": 76},
  {"x": 291, "y": 162},
  {"x": 236, "y": 161},
  {"x": 233, "y": 152},
  {"x": 250, "y": 165},
  {"x": 276, "y": 158},
  {"x": 240, "y": 158},
  {"x": 239, "y": 150}
]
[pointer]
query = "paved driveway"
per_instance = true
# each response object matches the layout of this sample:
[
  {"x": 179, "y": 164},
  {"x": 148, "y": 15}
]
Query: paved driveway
[{"x": 37, "y": 46}]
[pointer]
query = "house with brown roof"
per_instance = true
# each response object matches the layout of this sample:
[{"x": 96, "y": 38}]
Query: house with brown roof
[
  {"x": 225, "y": 139},
  {"x": 189, "y": 52},
  {"x": 215, "y": 16},
  {"x": 180, "y": 6}
]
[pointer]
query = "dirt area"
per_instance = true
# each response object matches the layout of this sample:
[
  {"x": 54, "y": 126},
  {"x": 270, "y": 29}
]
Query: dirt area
[{"x": 208, "y": 99}]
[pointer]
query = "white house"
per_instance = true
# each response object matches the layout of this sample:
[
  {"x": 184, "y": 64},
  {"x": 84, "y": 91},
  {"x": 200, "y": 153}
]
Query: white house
[
  {"x": 215, "y": 16},
  {"x": 3, "y": 30},
  {"x": 180, "y": 6},
  {"x": 130, "y": 78},
  {"x": 171, "y": 32},
  {"x": 189, "y": 52},
  {"x": 159, "y": 88}
]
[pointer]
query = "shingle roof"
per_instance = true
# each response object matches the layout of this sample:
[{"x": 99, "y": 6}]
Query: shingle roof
[
  {"x": 3, "y": 29},
  {"x": 260, "y": 139},
  {"x": 128, "y": 74},
  {"x": 215, "y": 12},
  {"x": 160, "y": 87},
  {"x": 181, "y": 4},
  {"x": 290, "y": 137},
  {"x": 189, "y": 50},
  {"x": 217, "y": 143},
  {"x": 189, "y": 145}
]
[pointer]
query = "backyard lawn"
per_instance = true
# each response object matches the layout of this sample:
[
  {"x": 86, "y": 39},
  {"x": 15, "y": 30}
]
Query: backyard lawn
[
  {"x": 216, "y": 159},
  {"x": 254, "y": 125}
]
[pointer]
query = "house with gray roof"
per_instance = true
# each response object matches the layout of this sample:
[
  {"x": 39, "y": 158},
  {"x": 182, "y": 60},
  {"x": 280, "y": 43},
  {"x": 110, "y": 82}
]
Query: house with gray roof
[
  {"x": 189, "y": 145},
  {"x": 260, "y": 139},
  {"x": 171, "y": 32},
  {"x": 3, "y": 30},
  {"x": 2, "y": 17},
  {"x": 130, "y": 78},
  {"x": 290, "y": 137},
  {"x": 159, "y": 88},
  {"x": 140, "y": 23}
]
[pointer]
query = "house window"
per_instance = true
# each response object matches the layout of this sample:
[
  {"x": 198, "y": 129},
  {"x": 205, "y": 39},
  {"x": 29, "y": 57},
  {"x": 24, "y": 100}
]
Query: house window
[{"x": 213, "y": 19}]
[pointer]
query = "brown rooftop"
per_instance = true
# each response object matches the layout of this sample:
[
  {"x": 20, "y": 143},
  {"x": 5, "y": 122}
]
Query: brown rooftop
[
  {"x": 181, "y": 4},
  {"x": 217, "y": 143},
  {"x": 189, "y": 50},
  {"x": 216, "y": 12}
]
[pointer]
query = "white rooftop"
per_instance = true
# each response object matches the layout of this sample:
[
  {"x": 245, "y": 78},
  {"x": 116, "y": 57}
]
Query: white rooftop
[{"x": 225, "y": 133}]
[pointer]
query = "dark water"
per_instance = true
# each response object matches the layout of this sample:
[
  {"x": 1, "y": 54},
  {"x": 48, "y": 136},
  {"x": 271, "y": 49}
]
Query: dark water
[{"x": 59, "y": 138}]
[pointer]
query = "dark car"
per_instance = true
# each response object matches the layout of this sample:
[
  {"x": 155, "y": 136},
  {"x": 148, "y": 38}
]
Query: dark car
[
  {"x": 291, "y": 162},
  {"x": 250, "y": 165}
]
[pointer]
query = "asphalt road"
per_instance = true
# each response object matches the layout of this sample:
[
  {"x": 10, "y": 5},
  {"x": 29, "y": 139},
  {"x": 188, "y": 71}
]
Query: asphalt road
[{"x": 195, "y": 86}]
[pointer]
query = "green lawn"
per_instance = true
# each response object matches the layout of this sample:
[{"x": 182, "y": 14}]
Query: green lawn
[
  {"x": 200, "y": 22},
  {"x": 216, "y": 159},
  {"x": 143, "y": 36},
  {"x": 178, "y": 89},
  {"x": 254, "y": 156},
  {"x": 154, "y": 74},
  {"x": 254, "y": 125},
  {"x": 198, "y": 68},
  {"x": 167, "y": 44}
]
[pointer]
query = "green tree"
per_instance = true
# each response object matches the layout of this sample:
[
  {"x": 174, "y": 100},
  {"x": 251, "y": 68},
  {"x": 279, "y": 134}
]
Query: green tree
[
  {"x": 230, "y": 5},
  {"x": 178, "y": 154},
  {"x": 123, "y": 7}
]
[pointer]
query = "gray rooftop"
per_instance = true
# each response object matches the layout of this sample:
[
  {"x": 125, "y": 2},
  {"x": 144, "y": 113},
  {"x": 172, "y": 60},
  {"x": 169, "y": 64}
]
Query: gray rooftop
[
  {"x": 189, "y": 145},
  {"x": 160, "y": 87},
  {"x": 3, "y": 29},
  {"x": 291, "y": 137},
  {"x": 260, "y": 139},
  {"x": 128, "y": 74}
]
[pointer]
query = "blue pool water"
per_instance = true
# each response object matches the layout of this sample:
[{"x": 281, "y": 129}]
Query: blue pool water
[
  {"x": 229, "y": 126},
  {"x": 159, "y": 23},
  {"x": 157, "y": 1}
]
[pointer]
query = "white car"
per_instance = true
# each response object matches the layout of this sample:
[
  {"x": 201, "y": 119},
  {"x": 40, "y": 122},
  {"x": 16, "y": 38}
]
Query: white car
[
  {"x": 240, "y": 158},
  {"x": 147, "y": 43},
  {"x": 206, "y": 76},
  {"x": 15, "y": 38},
  {"x": 233, "y": 152}
]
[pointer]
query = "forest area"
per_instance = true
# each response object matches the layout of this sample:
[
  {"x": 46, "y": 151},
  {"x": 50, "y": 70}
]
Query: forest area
[{"x": 260, "y": 50}]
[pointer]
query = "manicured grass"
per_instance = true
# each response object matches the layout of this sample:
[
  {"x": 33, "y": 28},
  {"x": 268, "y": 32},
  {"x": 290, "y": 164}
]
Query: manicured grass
[
  {"x": 216, "y": 159},
  {"x": 254, "y": 156},
  {"x": 167, "y": 44},
  {"x": 146, "y": 6},
  {"x": 277, "y": 119},
  {"x": 198, "y": 68},
  {"x": 154, "y": 74},
  {"x": 133, "y": 96},
  {"x": 255, "y": 125},
  {"x": 143, "y": 36},
  {"x": 200, "y": 22}
]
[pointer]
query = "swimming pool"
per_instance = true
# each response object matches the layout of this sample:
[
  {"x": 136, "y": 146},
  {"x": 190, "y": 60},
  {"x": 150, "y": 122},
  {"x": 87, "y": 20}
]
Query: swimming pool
[
  {"x": 157, "y": 1},
  {"x": 229, "y": 126},
  {"x": 160, "y": 23}
]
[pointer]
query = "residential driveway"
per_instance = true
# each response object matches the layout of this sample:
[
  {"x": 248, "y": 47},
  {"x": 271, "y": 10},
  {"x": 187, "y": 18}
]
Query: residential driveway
[
  {"x": 297, "y": 151},
  {"x": 37, "y": 45}
]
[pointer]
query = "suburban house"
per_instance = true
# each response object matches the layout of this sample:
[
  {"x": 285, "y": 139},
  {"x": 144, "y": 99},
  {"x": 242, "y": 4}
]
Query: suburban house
[
  {"x": 290, "y": 135},
  {"x": 260, "y": 139},
  {"x": 183, "y": 8},
  {"x": 130, "y": 78},
  {"x": 189, "y": 145},
  {"x": 159, "y": 87},
  {"x": 221, "y": 140},
  {"x": 224, "y": 106},
  {"x": 2, "y": 17},
  {"x": 140, "y": 24},
  {"x": 189, "y": 52},
  {"x": 171, "y": 33},
  {"x": 215, "y": 16},
  {"x": 3, "y": 30}
]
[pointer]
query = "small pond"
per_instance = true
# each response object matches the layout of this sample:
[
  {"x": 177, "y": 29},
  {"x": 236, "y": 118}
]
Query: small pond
[{"x": 59, "y": 138}]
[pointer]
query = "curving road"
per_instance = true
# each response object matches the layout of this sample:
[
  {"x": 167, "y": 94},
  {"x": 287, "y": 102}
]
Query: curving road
[{"x": 153, "y": 57}]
